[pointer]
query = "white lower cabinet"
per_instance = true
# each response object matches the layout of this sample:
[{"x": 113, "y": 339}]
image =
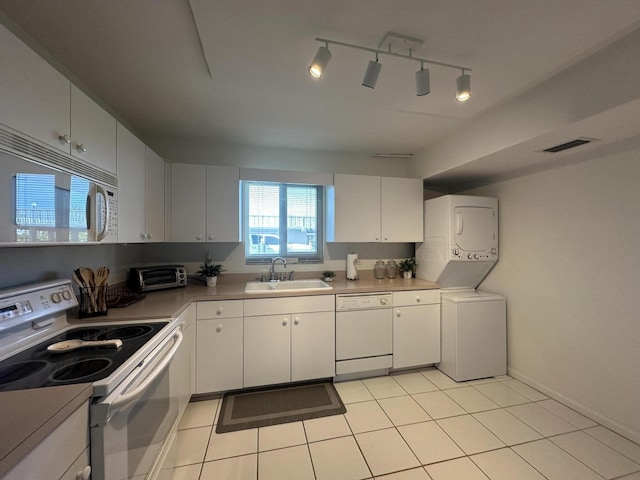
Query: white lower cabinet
[
  {"x": 288, "y": 339},
  {"x": 416, "y": 328},
  {"x": 267, "y": 341},
  {"x": 312, "y": 346},
  {"x": 219, "y": 346},
  {"x": 63, "y": 455},
  {"x": 267, "y": 354}
]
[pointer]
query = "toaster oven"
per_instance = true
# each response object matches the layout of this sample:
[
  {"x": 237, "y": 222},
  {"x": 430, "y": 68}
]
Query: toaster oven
[{"x": 160, "y": 277}]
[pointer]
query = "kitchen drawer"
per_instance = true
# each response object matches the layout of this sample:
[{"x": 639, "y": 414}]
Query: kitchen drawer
[
  {"x": 416, "y": 297},
  {"x": 219, "y": 309},
  {"x": 277, "y": 306}
]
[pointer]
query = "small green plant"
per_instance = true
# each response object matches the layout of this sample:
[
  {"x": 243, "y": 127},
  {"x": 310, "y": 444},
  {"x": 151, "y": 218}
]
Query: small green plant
[
  {"x": 328, "y": 274},
  {"x": 407, "y": 265},
  {"x": 210, "y": 269}
]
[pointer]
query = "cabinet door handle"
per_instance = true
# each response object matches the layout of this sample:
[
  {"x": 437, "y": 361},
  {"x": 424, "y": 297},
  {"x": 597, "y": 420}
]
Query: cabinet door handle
[
  {"x": 220, "y": 310},
  {"x": 219, "y": 329},
  {"x": 211, "y": 237},
  {"x": 199, "y": 237},
  {"x": 296, "y": 321},
  {"x": 84, "y": 474},
  {"x": 284, "y": 322},
  {"x": 398, "y": 313},
  {"x": 81, "y": 148},
  {"x": 418, "y": 299},
  {"x": 64, "y": 139}
]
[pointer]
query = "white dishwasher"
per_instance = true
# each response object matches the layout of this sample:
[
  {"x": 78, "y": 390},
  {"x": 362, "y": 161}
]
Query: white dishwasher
[{"x": 364, "y": 332}]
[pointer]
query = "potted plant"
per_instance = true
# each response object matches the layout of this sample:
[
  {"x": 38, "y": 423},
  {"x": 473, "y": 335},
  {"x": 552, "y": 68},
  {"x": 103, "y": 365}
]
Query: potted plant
[
  {"x": 210, "y": 271},
  {"x": 407, "y": 267},
  {"x": 328, "y": 275}
]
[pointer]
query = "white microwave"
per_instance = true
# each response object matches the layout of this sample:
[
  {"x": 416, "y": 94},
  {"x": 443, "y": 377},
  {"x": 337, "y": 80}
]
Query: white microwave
[{"x": 52, "y": 204}]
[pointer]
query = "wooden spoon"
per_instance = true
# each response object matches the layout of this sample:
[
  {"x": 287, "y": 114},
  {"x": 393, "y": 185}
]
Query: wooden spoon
[
  {"x": 101, "y": 277},
  {"x": 77, "y": 279},
  {"x": 86, "y": 274},
  {"x": 68, "y": 345}
]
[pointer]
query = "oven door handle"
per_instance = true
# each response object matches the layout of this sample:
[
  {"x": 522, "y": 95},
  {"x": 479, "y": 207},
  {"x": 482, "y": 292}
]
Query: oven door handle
[{"x": 136, "y": 393}]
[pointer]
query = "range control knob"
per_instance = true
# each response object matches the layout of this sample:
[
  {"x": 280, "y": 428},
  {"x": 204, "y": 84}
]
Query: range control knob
[
  {"x": 475, "y": 255},
  {"x": 56, "y": 298},
  {"x": 469, "y": 256},
  {"x": 66, "y": 294},
  {"x": 383, "y": 301}
]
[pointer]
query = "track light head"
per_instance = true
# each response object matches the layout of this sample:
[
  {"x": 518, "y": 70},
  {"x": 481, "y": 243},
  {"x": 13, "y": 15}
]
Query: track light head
[
  {"x": 319, "y": 62},
  {"x": 372, "y": 73},
  {"x": 463, "y": 87},
  {"x": 422, "y": 81}
]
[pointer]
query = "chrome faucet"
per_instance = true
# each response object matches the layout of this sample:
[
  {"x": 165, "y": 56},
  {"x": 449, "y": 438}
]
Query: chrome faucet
[{"x": 273, "y": 276}]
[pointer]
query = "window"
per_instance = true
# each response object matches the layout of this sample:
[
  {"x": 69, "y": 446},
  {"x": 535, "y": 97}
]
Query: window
[{"x": 283, "y": 220}]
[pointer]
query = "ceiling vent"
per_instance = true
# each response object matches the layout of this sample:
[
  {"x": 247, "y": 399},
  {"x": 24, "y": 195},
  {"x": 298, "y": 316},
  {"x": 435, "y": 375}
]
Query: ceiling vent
[
  {"x": 392, "y": 155},
  {"x": 567, "y": 145}
]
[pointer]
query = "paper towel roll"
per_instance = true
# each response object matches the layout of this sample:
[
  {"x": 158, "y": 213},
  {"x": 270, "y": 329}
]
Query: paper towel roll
[{"x": 352, "y": 270}]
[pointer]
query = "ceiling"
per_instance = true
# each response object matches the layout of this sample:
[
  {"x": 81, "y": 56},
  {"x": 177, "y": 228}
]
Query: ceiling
[{"x": 234, "y": 71}]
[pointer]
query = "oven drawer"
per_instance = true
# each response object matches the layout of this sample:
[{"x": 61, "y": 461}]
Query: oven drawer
[
  {"x": 219, "y": 309},
  {"x": 416, "y": 297}
]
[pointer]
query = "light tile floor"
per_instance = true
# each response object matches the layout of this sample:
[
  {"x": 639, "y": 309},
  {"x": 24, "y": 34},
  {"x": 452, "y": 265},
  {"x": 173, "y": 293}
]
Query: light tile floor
[{"x": 417, "y": 425}]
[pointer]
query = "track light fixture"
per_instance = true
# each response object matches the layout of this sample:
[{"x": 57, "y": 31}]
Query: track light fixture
[
  {"x": 320, "y": 61},
  {"x": 463, "y": 82},
  {"x": 422, "y": 81},
  {"x": 372, "y": 73},
  {"x": 463, "y": 87}
]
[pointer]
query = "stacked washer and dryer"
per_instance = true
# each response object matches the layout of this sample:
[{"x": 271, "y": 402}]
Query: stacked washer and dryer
[{"x": 460, "y": 248}]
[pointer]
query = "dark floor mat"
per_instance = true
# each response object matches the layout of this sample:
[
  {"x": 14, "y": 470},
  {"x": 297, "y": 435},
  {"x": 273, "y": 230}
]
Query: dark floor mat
[{"x": 243, "y": 410}]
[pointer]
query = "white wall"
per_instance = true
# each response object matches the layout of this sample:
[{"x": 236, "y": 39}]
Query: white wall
[
  {"x": 272, "y": 158},
  {"x": 570, "y": 269}
]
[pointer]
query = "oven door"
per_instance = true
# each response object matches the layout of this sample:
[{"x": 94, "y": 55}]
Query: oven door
[{"x": 130, "y": 425}]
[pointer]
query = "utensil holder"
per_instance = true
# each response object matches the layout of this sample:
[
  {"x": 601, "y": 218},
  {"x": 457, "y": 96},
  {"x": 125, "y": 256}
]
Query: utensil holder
[{"x": 93, "y": 301}]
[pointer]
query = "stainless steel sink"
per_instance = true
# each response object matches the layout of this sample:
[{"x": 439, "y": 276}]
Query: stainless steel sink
[{"x": 286, "y": 286}]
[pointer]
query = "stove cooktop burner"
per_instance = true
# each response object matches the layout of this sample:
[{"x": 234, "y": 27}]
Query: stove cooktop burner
[{"x": 37, "y": 367}]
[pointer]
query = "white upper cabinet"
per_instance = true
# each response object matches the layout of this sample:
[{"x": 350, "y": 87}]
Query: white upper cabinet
[
  {"x": 375, "y": 209},
  {"x": 154, "y": 196},
  {"x": 131, "y": 192},
  {"x": 93, "y": 132},
  {"x": 223, "y": 204},
  {"x": 401, "y": 209},
  {"x": 35, "y": 98},
  {"x": 205, "y": 203},
  {"x": 357, "y": 208},
  {"x": 141, "y": 191},
  {"x": 188, "y": 202}
]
